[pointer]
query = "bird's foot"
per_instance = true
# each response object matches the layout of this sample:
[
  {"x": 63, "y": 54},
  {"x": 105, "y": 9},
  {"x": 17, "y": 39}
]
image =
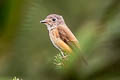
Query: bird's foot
[{"x": 64, "y": 57}]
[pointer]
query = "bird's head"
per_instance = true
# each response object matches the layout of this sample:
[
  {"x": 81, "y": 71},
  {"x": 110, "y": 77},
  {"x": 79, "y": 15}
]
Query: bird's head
[{"x": 53, "y": 21}]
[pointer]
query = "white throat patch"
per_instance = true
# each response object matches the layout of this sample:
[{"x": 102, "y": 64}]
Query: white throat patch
[{"x": 50, "y": 28}]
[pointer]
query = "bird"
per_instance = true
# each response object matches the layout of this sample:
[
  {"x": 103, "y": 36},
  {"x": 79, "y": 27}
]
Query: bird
[{"x": 60, "y": 35}]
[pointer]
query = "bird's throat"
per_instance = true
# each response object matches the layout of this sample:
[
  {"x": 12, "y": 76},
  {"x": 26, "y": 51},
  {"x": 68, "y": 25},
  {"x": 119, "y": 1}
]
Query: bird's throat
[{"x": 50, "y": 27}]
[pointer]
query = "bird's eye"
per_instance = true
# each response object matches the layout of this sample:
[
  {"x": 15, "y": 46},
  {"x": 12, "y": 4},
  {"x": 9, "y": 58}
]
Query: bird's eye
[{"x": 53, "y": 19}]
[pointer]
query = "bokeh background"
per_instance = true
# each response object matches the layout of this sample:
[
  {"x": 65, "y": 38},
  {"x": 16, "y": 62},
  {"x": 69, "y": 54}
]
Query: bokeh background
[{"x": 26, "y": 51}]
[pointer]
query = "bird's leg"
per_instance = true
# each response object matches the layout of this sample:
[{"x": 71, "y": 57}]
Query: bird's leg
[{"x": 62, "y": 54}]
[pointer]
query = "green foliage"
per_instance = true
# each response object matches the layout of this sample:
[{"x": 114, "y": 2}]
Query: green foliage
[
  {"x": 16, "y": 78},
  {"x": 26, "y": 51},
  {"x": 58, "y": 61}
]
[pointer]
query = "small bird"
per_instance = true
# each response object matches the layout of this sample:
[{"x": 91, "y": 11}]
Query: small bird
[{"x": 60, "y": 35}]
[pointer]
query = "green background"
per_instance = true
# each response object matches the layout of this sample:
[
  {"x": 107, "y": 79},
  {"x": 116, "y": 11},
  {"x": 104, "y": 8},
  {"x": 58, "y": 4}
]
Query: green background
[{"x": 26, "y": 51}]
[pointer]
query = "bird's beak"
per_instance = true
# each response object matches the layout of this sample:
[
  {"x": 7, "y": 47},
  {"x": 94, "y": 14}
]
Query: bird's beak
[{"x": 43, "y": 21}]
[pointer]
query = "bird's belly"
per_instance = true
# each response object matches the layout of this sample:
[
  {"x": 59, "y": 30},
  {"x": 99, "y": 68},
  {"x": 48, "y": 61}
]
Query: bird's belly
[{"x": 52, "y": 38}]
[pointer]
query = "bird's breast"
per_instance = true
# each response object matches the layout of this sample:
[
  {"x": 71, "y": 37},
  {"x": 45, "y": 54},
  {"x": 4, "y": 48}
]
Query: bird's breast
[{"x": 53, "y": 34}]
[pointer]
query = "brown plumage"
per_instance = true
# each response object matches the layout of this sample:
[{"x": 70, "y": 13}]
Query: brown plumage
[
  {"x": 67, "y": 36},
  {"x": 60, "y": 35}
]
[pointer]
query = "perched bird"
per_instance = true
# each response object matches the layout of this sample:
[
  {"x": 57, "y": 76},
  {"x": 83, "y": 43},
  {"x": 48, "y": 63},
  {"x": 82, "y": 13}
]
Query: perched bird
[{"x": 60, "y": 35}]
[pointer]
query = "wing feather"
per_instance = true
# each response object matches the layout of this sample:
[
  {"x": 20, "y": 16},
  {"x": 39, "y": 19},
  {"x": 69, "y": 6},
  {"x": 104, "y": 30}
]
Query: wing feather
[
  {"x": 58, "y": 42},
  {"x": 67, "y": 36}
]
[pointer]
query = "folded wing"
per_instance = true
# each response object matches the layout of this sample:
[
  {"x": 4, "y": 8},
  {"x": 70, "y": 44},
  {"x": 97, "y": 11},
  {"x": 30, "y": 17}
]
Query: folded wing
[{"x": 67, "y": 36}]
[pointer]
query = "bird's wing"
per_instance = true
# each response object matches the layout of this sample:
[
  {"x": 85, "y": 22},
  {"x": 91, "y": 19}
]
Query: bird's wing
[
  {"x": 67, "y": 36},
  {"x": 63, "y": 46},
  {"x": 55, "y": 37}
]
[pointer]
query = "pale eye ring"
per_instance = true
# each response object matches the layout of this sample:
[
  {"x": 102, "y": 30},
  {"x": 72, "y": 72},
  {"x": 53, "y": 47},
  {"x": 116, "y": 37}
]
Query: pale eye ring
[{"x": 53, "y": 19}]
